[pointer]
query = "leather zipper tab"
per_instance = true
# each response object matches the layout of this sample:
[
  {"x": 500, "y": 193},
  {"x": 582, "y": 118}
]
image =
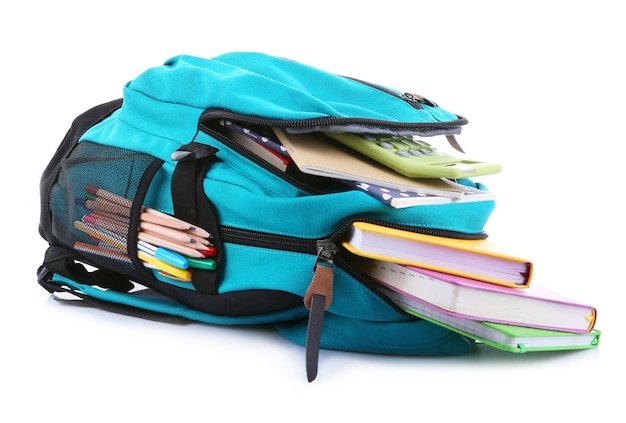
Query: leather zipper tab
[{"x": 322, "y": 282}]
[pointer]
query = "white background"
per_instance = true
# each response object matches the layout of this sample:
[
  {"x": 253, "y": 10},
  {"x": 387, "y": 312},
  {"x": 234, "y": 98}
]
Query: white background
[{"x": 542, "y": 84}]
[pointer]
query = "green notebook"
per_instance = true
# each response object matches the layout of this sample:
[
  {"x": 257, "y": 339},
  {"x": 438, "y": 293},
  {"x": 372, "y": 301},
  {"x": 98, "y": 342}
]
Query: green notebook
[{"x": 517, "y": 339}]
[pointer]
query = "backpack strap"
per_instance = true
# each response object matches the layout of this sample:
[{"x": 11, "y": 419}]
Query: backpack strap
[
  {"x": 192, "y": 205},
  {"x": 62, "y": 260}
]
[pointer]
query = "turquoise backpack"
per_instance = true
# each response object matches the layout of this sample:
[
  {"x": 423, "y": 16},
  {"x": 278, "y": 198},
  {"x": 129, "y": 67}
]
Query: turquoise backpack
[{"x": 276, "y": 233}]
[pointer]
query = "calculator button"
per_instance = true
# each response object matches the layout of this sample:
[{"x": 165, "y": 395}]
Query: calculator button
[
  {"x": 411, "y": 143},
  {"x": 399, "y": 145}
]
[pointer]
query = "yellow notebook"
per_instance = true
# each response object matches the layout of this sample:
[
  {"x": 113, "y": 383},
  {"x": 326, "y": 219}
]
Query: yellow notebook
[{"x": 476, "y": 259}]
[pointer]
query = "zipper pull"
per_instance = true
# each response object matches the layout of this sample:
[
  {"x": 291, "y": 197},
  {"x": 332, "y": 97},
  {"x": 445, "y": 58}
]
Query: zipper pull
[
  {"x": 317, "y": 299},
  {"x": 454, "y": 143},
  {"x": 417, "y": 100}
]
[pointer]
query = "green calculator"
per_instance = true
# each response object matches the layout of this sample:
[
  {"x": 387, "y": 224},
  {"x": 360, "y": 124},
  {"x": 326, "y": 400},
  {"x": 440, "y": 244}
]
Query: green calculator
[{"x": 413, "y": 157}]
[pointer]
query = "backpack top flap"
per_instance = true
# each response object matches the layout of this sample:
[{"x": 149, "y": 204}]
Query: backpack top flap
[{"x": 169, "y": 100}]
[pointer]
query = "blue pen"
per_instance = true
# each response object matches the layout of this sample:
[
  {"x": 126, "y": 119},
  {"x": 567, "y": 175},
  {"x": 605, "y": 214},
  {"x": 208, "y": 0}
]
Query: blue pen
[{"x": 168, "y": 256}]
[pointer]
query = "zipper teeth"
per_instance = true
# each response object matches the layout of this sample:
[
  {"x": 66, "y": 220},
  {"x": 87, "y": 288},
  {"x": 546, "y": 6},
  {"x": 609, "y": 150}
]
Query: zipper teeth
[
  {"x": 325, "y": 121},
  {"x": 308, "y": 245},
  {"x": 266, "y": 240}
]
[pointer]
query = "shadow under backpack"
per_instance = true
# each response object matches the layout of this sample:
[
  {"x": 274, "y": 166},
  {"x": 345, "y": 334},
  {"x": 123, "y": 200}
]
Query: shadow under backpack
[{"x": 276, "y": 234}]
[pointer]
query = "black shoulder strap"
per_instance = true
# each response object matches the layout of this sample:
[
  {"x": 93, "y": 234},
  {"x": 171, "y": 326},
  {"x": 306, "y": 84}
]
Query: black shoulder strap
[{"x": 192, "y": 205}]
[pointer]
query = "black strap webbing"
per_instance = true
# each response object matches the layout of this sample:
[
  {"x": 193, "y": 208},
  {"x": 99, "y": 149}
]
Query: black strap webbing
[
  {"x": 192, "y": 205},
  {"x": 314, "y": 335}
]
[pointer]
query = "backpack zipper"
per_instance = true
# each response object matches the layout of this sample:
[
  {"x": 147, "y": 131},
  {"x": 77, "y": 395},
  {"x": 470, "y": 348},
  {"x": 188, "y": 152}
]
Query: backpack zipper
[
  {"x": 213, "y": 114},
  {"x": 326, "y": 251}
]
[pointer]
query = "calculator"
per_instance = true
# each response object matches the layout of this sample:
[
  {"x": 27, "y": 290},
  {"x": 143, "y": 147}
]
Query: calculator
[{"x": 413, "y": 157}]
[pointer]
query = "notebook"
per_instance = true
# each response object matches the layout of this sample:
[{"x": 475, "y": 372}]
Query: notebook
[
  {"x": 516, "y": 339},
  {"x": 534, "y": 306},
  {"x": 478, "y": 259}
]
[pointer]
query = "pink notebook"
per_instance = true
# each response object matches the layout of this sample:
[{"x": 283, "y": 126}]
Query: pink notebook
[{"x": 533, "y": 306}]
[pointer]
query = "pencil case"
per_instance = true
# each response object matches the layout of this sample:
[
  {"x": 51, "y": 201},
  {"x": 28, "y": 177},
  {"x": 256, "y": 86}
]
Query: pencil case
[{"x": 274, "y": 234}]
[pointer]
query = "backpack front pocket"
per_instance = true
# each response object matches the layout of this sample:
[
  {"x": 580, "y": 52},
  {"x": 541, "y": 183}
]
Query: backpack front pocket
[{"x": 96, "y": 200}]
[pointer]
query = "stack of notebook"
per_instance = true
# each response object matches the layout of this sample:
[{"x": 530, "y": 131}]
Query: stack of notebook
[{"x": 472, "y": 287}]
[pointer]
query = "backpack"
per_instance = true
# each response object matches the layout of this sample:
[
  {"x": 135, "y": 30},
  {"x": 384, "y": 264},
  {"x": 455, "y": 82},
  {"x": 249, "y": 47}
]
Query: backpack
[{"x": 274, "y": 234}]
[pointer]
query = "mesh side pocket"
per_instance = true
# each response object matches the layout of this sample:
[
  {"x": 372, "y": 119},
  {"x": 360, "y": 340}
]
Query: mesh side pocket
[{"x": 92, "y": 199}]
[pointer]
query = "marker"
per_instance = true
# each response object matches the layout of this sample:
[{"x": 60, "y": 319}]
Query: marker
[
  {"x": 164, "y": 254},
  {"x": 167, "y": 268},
  {"x": 205, "y": 264}
]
